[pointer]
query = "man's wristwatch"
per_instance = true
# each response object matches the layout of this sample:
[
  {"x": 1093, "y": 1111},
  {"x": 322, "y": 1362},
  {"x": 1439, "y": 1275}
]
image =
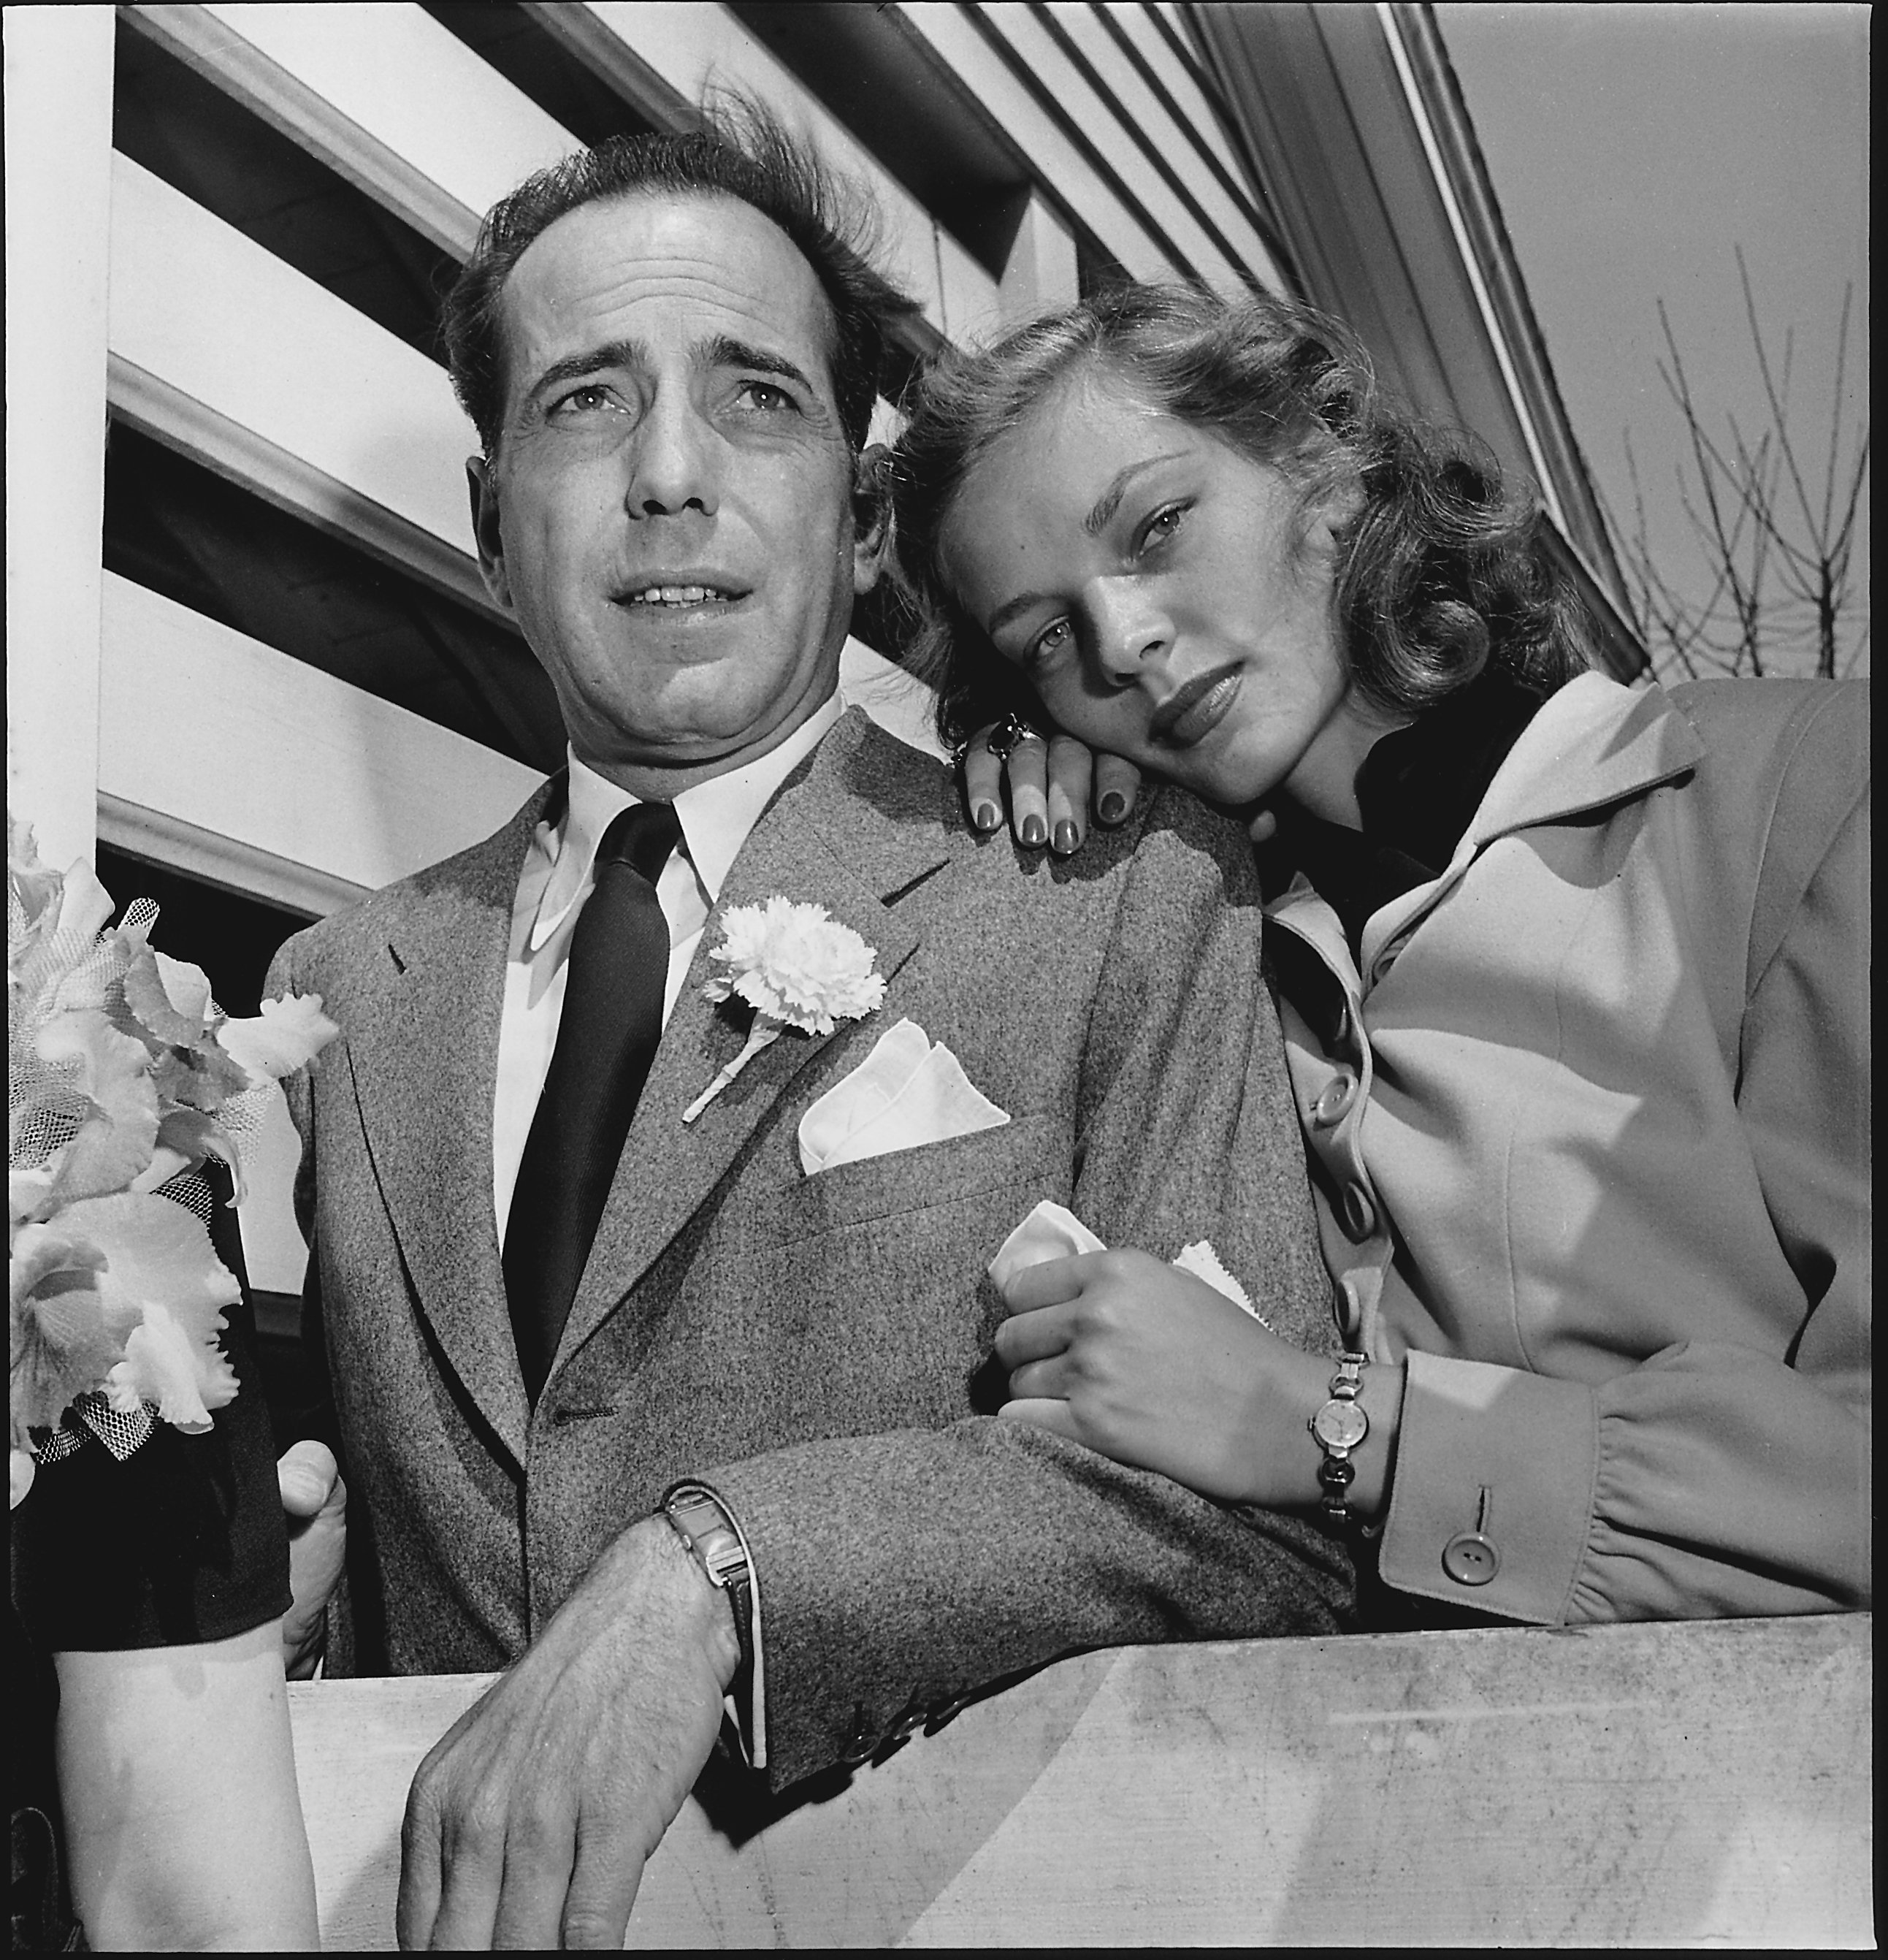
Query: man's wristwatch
[
  {"x": 1341, "y": 1426},
  {"x": 701, "y": 1522}
]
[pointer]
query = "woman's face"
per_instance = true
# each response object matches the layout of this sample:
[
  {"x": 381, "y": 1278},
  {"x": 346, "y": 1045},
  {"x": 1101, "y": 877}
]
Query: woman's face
[{"x": 1143, "y": 576}]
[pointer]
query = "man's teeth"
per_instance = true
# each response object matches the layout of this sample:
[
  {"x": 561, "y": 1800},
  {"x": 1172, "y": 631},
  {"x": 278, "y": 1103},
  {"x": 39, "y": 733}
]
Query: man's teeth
[{"x": 676, "y": 595}]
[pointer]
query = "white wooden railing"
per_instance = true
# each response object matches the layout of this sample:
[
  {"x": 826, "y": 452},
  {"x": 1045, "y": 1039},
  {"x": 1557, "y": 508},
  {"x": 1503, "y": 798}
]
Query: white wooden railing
[{"x": 1706, "y": 1784}]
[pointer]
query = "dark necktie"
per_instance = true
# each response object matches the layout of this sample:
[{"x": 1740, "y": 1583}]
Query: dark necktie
[{"x": 612, "y": 1022}]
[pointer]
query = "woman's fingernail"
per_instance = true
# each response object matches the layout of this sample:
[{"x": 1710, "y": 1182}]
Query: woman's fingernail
[
  {"x": 987, "y": 816},
  {"x": 1067, "y": 838},
  {"x": 1113, "y": 807},
  {"x": 1035, "y": 833}
]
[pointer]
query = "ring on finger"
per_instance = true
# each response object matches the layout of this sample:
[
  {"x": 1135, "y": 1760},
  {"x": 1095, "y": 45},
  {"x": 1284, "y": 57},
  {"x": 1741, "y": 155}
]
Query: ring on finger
[{"x": 1010, "y": 734}]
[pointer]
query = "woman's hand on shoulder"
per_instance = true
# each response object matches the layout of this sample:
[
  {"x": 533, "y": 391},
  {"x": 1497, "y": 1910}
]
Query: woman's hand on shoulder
[
  {"x": 1054, "y": 782},
  {"x": 1143, "y": 1362}
]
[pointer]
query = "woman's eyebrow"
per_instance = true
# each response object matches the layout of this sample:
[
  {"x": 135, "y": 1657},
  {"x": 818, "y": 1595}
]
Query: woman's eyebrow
[
  {"x": 1098, "y": 520},
  {"x": 1010, "y": 608}
]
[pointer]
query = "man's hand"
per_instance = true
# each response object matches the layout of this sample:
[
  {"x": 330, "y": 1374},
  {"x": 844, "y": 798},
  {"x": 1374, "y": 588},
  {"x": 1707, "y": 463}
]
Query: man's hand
[
  {"x": 315, "y": 1501},
  {"x": 529, "y": 1824}
]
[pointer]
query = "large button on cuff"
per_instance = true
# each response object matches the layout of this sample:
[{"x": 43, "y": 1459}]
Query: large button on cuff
[{"x": 1471, "y": 1559}]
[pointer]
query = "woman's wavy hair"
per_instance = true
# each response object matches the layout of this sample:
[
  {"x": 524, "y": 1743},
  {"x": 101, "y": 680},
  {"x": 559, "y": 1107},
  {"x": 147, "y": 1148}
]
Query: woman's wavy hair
[{"x": 1440, "y": 571}]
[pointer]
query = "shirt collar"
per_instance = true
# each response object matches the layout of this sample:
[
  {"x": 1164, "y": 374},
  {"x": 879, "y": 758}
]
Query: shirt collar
[{"x": 715, "y": 815}]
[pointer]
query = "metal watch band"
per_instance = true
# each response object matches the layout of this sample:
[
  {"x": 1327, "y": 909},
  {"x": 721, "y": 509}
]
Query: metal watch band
[
  {"x": 1339, "y": 1428},
  {"x": 700, "y": 1520}
]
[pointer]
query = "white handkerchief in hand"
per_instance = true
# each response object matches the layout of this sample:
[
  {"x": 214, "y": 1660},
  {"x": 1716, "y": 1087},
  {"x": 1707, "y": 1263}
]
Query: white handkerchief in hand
[
  {"x": 1051, "y": 1232},
  {"x": 1054, "y": 1231},
  {"x": 908, "y": 1091}
]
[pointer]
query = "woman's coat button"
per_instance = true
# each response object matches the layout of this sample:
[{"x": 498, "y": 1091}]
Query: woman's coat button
[
  {"x": 1470, "y": 1560},
  {"x": 1360, "y": 1215},
  {"x": 1334, "y": 1100}
]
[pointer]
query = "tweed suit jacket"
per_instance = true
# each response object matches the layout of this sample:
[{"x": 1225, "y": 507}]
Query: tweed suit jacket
[{"x": 814, "y": 1349}]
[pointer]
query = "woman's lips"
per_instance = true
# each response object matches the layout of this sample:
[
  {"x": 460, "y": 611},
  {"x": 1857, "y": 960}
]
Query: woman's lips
[{"x": 1188, "y": 716}]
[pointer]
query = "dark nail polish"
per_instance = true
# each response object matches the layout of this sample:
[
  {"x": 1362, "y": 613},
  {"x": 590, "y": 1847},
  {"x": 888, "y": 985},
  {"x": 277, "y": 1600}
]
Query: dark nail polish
[
  {"x": 987, "y": 816},
  {"x": 1035, "y": 833},
  {"x": 1067, "y": 838},
  {"x": 1113, "y": 807}
]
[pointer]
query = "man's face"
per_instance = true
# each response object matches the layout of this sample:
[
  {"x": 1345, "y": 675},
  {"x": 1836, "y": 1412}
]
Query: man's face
[{"x": 669, "y": 510}]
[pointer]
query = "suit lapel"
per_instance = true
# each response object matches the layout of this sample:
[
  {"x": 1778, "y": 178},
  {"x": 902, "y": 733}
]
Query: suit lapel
[
  {"x": 855, "y": 828},
  {"x": 425, "y": 1057}
]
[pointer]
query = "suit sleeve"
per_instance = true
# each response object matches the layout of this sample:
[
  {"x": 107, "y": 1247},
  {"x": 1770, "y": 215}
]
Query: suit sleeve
[
  {"x": 1712, "y": 1479},
  {"x": 904, "y": 1573}
]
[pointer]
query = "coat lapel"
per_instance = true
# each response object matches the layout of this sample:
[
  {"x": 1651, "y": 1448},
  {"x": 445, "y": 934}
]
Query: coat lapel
[
  {"x": 425, "y": 1058},
  {"x": 1592, "y": 743},
  {"x": 854, "y": 828}
]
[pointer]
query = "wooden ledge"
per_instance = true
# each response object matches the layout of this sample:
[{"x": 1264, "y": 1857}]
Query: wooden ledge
[{"x": 1706, "y": 1783}]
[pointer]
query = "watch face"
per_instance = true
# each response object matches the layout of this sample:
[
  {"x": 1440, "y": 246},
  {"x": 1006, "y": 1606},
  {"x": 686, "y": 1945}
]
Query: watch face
[{"x": 1340, "y": 1425}]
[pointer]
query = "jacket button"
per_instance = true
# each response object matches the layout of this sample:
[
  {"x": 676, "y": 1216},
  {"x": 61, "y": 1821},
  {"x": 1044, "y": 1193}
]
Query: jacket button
[
  {"x": 864, "y": 1739},
  {"x": 1360, "y": 1215},
  {"x": 948, "y": 1711},
  {"x": 1471, "y": 1559},
  {"x": 1334, "y": 1100}
]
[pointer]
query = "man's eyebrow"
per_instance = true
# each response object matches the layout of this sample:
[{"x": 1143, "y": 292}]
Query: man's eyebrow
[
  {"x": 1097, "y": 521},
  {"x": 724, "y": 351},
  {"x": 592, "y": 360}
]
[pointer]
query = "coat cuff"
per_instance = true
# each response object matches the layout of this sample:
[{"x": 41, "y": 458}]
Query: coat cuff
[{"x": 1491, "y": 1503}]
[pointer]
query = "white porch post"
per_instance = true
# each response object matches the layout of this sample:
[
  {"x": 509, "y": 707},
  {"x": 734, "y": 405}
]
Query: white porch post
[{"x": 59, "y": 115}]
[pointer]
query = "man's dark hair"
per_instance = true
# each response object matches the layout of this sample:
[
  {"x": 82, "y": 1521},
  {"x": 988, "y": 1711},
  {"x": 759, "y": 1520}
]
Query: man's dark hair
[{"x": 742, "y": 153}]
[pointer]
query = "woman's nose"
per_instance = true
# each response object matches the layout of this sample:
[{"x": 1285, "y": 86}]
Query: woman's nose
[
  {"x": 1130, "y": 631},
  {"x": 673, "y": 464}
]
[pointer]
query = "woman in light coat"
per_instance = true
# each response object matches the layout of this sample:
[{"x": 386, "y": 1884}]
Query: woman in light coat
[{"x": 1574, "y": 977}]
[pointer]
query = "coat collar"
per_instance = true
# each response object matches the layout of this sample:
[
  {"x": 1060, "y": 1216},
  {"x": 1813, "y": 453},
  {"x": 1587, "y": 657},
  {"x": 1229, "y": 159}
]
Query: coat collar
[
  {"x": 860, "y": 823},
  {"x": 1592, "y": 743}
]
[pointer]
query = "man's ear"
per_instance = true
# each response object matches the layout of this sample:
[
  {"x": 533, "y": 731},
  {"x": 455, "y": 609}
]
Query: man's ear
[
  {"x": 871, "y": 515},
  {"x": 481, "y": 480}
]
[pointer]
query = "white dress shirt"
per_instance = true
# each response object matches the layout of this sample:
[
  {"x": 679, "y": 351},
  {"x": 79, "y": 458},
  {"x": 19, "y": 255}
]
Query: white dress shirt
[{"x": 558, "y": 875}]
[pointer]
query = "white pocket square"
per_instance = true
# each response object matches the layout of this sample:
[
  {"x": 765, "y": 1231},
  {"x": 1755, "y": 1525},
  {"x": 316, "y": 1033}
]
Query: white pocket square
[{"x": 907, "y": 1092}]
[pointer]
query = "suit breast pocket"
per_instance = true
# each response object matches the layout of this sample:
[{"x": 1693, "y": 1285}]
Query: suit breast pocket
[{"x": 1028, "y": 1155}]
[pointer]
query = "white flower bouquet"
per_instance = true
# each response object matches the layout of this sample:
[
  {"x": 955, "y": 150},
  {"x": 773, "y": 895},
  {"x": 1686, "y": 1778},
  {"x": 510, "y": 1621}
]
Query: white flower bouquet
[{"x": 124, "y": 1078}]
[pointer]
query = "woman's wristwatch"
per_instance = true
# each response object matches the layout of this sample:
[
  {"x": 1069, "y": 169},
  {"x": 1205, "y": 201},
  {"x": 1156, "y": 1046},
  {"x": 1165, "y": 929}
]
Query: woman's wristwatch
[{"x": 1339, "y": 1428}]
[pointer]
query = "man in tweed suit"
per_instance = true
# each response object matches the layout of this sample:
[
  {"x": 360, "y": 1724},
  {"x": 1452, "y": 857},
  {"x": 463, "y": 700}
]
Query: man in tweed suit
[{"x": 670, "y": 358}]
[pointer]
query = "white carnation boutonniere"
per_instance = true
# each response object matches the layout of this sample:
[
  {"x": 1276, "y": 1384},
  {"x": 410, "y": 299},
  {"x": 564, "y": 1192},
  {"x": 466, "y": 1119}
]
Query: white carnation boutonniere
[{"x": 797, "y": 966}]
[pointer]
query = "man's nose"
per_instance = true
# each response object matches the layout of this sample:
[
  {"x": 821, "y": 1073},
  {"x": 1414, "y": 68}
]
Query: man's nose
[
  {"x": 1131, "y": 630},
  {"x": 674, "y": 463}
]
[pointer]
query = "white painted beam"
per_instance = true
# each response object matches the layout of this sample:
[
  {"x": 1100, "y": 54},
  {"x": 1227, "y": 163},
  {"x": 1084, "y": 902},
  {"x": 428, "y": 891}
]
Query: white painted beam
[
  {"x": 985, "y": 74},
  {"x": 209, "y": 738},
  {"x": 340, "y": 81},
  {"x": 1042, "y": 272},
  {"x": 58, "y": 110},
  {"x": 1183, "y": 145},
  {"x": 224, "y": 349},
  {"x": 694, "y": 48},
  {"x": 1035, "y": 49}
]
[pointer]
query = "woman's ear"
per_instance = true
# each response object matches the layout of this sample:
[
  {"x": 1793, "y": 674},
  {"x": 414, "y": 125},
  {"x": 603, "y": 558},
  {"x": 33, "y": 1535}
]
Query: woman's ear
[{"x": 871, "y": 515}]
